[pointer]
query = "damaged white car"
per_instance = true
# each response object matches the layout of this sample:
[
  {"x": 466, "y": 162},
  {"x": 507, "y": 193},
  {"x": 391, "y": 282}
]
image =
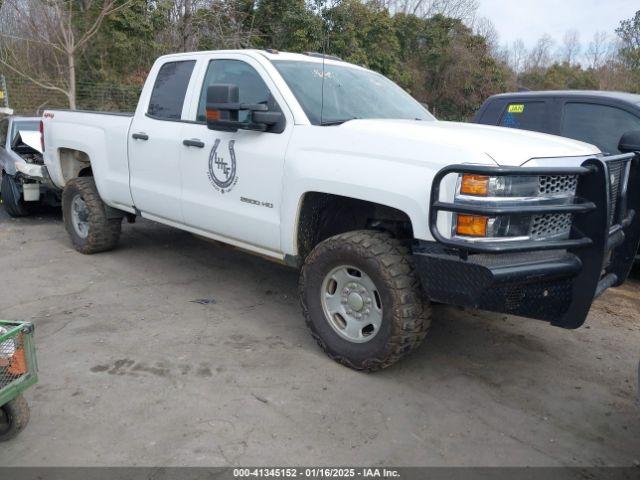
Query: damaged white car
[{"x": 25, "y": 181}]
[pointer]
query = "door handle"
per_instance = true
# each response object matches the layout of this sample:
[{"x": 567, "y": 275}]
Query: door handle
[
  {"x": 193, "y": 142},
  {"x": 140, "y": 136}
]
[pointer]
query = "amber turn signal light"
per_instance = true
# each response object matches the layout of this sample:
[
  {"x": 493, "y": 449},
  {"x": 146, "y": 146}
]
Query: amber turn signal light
[
  {"x": 472, "y": 225},
  {"x": 474, "y": 185},
  {"x": 213, "y": 114}
]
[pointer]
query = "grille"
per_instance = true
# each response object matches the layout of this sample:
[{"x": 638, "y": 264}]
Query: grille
[
  {"x": 557, "y": 184},
  {"x": 556, "y": 225},
  {"x": 552, "y": 225},
  {"x": 13, "y": 364},
  {"x": 616, "y": 169}
]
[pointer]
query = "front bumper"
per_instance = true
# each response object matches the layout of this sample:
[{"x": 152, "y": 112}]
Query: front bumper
[
  {"x": 551, "y": 280},
  {"x": 33, "y": 171}
]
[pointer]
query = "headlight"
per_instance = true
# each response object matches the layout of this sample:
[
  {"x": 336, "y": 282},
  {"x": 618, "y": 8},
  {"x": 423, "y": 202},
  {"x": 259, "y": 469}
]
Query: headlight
[
  {"x": 484, "y": 186},
  {"x": 513, "y": 190}
]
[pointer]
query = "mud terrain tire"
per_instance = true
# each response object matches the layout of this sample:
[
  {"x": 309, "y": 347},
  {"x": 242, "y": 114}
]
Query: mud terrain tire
[
  {"x": 86, "y": 219},
  {"x": 405, "y": 312}
]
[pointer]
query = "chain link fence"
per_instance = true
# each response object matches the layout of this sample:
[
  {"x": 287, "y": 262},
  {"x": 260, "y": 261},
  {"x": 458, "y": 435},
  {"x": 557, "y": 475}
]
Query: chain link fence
[{"x": 28, "y": 98}]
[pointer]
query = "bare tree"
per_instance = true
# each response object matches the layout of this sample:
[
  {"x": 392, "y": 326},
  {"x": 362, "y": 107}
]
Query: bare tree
[
  {"x": 228, "y": 24},
  {"x": 485, "y": 28},
  {"x": 518, "y": 55},
  {"x": 182, "y": 33},
  {"x": 540, "y": 55},
  {"x": 598, "y": 49},
  {"x": 461, "y": 9},
  {"x": 43, "y": 39},
  {"x": 570, "y": 48}
]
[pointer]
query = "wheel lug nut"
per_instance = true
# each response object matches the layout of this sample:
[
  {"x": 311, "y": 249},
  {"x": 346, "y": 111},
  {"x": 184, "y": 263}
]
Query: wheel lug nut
[{"x": 367, "y": 311}]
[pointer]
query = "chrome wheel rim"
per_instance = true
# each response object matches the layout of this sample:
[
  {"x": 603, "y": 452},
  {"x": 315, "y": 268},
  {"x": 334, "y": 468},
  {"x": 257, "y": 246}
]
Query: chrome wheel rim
[
  {"x": 351, "y": 304},
  {"x": 80, "y": 216}
]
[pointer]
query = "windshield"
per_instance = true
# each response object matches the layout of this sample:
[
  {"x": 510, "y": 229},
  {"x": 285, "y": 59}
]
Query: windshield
[
  {"x": 29, "y": 125},
  {"x": 349, "y": 93}
]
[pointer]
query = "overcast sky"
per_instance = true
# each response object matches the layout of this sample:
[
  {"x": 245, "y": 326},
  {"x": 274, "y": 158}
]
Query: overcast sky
[{"x": 530, "y": 19}]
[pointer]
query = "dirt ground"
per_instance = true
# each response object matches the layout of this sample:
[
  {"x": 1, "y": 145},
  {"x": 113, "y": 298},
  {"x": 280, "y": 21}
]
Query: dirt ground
[{"x": 134, "y": 370}]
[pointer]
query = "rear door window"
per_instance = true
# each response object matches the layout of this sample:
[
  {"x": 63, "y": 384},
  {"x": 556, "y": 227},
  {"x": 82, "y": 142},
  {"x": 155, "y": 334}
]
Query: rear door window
[
  {"x": 600, "y": 125},
  {"x": 526, "y": 116},
  {"x": 167, "y": 97}
]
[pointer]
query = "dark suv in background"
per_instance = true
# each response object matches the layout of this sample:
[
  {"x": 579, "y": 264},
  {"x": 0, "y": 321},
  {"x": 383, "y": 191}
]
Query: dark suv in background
[
  {"x": 599, "y": 118},
  {"x": 609, "y": 120}
]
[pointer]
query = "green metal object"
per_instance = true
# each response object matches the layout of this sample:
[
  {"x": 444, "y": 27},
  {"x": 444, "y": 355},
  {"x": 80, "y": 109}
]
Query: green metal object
[{"x": 18, "y": 365}]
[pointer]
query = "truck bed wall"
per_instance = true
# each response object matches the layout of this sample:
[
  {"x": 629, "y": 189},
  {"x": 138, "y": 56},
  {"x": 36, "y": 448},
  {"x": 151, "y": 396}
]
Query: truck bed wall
[{"x": 102, "y": 140}]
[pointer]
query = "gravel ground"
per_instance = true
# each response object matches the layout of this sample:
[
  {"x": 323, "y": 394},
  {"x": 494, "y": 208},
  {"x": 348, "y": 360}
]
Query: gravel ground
[{"x": 176, "y": 351}]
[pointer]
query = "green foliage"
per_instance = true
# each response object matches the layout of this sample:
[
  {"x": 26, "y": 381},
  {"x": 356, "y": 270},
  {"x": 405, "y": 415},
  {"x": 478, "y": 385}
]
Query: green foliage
[
  {"x": 560, "y": 76},
  {"x": 445, "y": 65},
  {"x": 287, "y": 25},
  {"x": 629, "y": 33},
  {"x": 114, "y": 67},
  {"x": 439, "y": 60},
  {"x": 363, "y": 34},
  {"x": 125, "y": 47}
]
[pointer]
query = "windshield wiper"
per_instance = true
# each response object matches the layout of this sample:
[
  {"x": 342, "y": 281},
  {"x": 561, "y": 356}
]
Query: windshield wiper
[{"x": 329, "y": 123}]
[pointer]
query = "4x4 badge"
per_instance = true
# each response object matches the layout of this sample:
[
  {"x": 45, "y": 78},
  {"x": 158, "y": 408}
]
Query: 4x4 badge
[{"x": 222, "y": 172}]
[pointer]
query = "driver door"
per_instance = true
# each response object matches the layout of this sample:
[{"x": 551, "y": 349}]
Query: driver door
[{"x": 232, "y": 181}]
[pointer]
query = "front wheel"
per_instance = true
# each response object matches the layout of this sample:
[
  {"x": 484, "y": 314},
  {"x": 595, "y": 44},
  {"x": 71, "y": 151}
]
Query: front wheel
[
  {"x": 362, "y": 300},
  {"x": 11, "y": 198},
  {"x": 86, "y": 219},
  {"x": 14, "y": 416}
]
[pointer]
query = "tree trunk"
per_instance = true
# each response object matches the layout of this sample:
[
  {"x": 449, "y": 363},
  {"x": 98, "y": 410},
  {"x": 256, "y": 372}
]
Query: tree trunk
[
  {"x": 71, "y": 92},
  {"x": 187, "y": 30}
]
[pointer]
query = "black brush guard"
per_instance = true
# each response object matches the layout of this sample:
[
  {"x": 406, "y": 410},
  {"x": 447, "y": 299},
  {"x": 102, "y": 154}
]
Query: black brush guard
[{"x": 551, "y": 280}]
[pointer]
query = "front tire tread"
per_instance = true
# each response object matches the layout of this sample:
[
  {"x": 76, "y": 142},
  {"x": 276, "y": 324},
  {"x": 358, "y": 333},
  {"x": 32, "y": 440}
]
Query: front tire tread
[{"x": 413, "y": 314}]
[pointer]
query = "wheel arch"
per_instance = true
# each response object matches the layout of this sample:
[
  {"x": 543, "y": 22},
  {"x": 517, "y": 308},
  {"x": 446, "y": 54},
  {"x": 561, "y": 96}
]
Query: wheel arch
[
  {"x": 322, "y": 215},
  {"x": 74, "y": 163}
]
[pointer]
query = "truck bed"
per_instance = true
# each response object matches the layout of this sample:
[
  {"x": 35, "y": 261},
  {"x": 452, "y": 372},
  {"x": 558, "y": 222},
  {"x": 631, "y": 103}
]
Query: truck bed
[{"x": 99, "y": 134}]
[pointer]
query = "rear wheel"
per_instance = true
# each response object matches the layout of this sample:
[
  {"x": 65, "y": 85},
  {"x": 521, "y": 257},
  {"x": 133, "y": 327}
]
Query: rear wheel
[
  {"x": 14, "y": 416},
  {"x": 86, "y": 219},
  {"x": 362, "y": 300},
  {"x": 11, "y": 198}
]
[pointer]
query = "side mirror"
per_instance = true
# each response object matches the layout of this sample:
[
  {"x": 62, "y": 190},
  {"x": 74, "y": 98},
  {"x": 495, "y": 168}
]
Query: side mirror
[
  {"x": 630, "y": 142},
  {"x": 266, "y": 118},
  {"x": 223, "y": 107}
]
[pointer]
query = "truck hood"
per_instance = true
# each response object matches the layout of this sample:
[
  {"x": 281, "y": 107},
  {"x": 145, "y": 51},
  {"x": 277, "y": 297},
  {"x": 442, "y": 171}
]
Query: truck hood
[
  {"x": 31, "y": 139},
  {"x": 505, "y": 146}
]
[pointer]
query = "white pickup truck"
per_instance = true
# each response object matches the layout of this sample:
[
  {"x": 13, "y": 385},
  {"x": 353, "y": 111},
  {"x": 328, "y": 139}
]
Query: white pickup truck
[{"x": 334, "y": 169}]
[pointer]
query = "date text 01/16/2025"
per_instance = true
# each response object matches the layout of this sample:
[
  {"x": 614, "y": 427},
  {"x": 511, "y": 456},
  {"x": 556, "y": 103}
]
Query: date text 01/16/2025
[{"x": 315, "y": 472}]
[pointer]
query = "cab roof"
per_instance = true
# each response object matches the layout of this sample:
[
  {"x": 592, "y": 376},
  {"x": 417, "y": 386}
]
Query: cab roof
[
  {"x": 270, "y": 55},
  {"x": 622, "y": 96}
]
